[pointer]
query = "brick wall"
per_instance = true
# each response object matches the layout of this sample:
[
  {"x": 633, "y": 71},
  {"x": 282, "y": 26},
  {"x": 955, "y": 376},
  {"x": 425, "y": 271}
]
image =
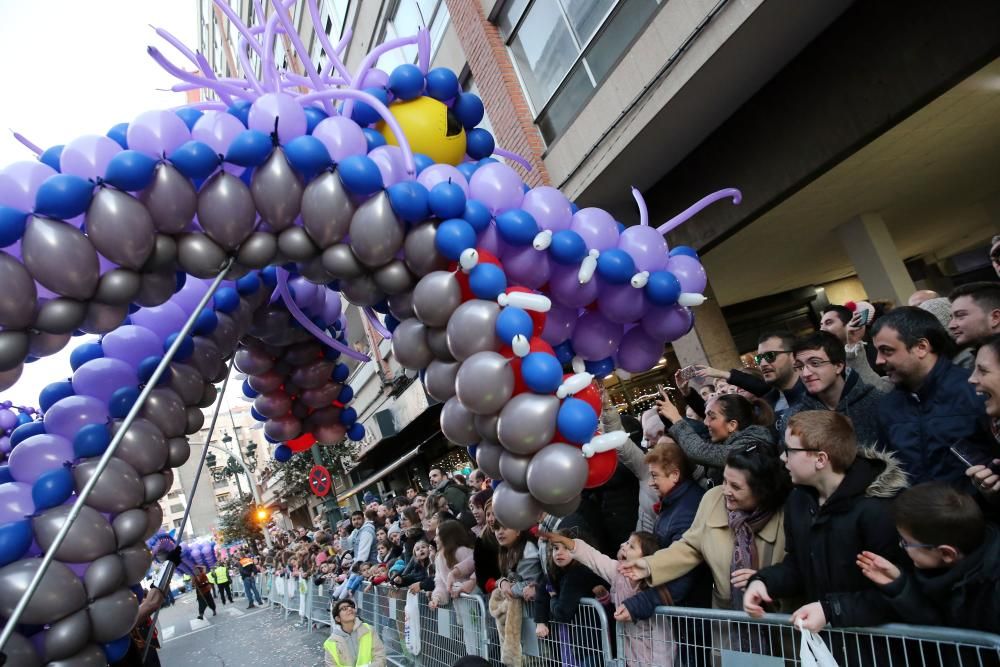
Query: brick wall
[{"x": 505, "y": 103}]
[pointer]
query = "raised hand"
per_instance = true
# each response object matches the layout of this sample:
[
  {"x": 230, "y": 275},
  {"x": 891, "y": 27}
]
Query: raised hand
[{"x": 878, "y": 570}]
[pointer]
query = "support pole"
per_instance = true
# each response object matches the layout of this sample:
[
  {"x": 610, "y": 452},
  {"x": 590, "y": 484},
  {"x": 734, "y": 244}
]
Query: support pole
[{"x": 253, "y": 486}]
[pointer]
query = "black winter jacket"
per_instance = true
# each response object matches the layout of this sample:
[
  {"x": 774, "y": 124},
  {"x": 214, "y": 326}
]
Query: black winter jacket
[
  {"x": 822, "y": 543},
  {"x": 577, "y": 582},
  {"x": 858, "y": 402}
]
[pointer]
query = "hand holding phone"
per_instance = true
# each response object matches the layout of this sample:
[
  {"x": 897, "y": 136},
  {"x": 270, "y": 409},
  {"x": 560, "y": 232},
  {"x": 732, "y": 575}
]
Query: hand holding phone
[{"x": 970, "y": 457}]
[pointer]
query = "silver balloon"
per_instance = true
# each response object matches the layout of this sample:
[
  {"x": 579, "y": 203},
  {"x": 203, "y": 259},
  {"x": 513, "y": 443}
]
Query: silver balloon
[
  {"x": 60, "y": 316},
  {"x": 17, "y": 298},
  {"x": 9, "y": 377},
  {"x": 13, "y": 349},
  {"x": 528, "y": 422},
  {"x": 277, "y": 191},
  {"x": 90, "y": 656},
  {"x": 118, "y": 287},
  {"x": 66, "y": 637},
  {"x": 236, "y": 271},
  {"x": 273, "y": 404},
  {"x": 330, "y": 434},
  {"x": 437, "y": 340},
  {"x": 178, "y": 452},
  {"x": 166, "y": 410},
  {"x": 394, "y": 277},
  {"x": 226, "y": 210},
  {"x": 436, "y": 297},
  {"x": 225, "y": 335},
  {"x": 319, "y": 397},
  {"x": 457, "y": 424},
  {"x": 515, "y": 509},
  {"x": 557, "y": 474},
  {"x": 20, "y": 652},
  {"x": 296, "y": 245},
  {"x": 419, "y": 251},
  {"x": 488, "y": 459},
  {"x": 266, "y": 382},
  {"x": 401, "y": 305},
  {"x": 168, "y": 475},
  {"x": 563, "y": 509},
  {"x": 361, "y": 291},
  {"x": 112, "y": 616},
  {"x": 258, "y": 250},
  {"x": 103, "y": 318},
  {"x": 137, "y": 560},
  {"x": 340, "y": 261},
  {"x": 164, "y": 254},
  {"x": 41, "y": 344},
  {"x": 206, "y": 358},
  {"x": 156, "y": 288},
  {"x": 200, "y": 256},
  {"x": 376, "y": 233},
  {"x": 314, "y": 271},
  {"x": 327, "y": 416},
  {"x": 187, "y": 382},
  {"x": 118, "y": 489},
  {"x": 106, "y": 574},
  {"x": 195, "y": 420},
  {"x": 472, "y": 328},
  {"x": 302, "y": 354},
  {"x": 486, "y": 427},
  {"x": 170, "y": 199},
  {"x": 59, "y": 593},
  {"x": 283, "y": 428},
  {"x": 90, "y": 535},
  {"x": 155, "y": 514},
  {"x": 120, "y": 228},
  {"x": 60, "y": 258},
  {"x": 314, "y": 375},
  {"x": 514, "y": 470},
  {"x": 143, "y": 446},
  {"x": 439, "y": 379},
  {"x": 208, "y": 396},
  {"x": 327, "y": 209},
  {"x": 155, "y": 486},
  {"x": 129, "y": 527},
  {"x": 409, "y": 345},
  {"x": 485, "y": 382}
]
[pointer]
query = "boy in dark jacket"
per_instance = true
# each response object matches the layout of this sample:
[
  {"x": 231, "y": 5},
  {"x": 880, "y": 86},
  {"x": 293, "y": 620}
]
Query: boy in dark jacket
[
  {"x": 956, "y": 556},
  {"x": 839, "y": 507}
]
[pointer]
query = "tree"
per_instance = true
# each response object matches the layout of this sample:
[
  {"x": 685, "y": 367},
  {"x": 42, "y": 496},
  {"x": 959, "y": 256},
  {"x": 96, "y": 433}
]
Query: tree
[
  {"x": 238, "y": 522},
  {"x": 293, "y": 475}
]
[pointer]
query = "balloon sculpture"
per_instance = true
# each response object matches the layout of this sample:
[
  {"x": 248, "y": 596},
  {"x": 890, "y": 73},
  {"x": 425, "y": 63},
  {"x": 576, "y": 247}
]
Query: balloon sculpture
[
  {"x": 193, "y": 554},
  {"x": 376, "y": 186}
]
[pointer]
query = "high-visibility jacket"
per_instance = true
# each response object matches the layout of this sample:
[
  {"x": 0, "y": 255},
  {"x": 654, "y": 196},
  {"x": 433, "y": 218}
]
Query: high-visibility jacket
[
  {"x": 221, "y": 573},
  {"x": 364, "y": 649}
]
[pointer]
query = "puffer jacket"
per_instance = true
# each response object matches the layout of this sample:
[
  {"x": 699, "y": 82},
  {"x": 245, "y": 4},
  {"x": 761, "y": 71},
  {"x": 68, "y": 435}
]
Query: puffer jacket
[
  {"x": 822, "y": 542},
  {"x": 712, "y": 454},
  {"x": 859, "y": 402},
  {"x": 347, "y": 643},
  {"x": 450, "y": 582}
]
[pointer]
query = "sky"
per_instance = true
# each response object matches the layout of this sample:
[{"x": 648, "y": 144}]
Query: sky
[{"x": 70, "y": 68}]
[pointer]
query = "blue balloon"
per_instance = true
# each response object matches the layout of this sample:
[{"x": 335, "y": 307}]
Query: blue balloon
[
  {"x": 314, "y": 116},
  {"x": 467, "y": 169},
  {"x": 684, "y": 250},
  {"x": 573, "y": 207},
  {"x": 488, "y": 160},
  {"x": 240, "y": 109},
  {"x": 476, "y": 214},
  {"x": 390, "y": 323},
  {"x": 409, "y": 199},
  {"x": 117, "y": 649},
  {"x": 186, "y": 348},
  {"x": 479, "y": 143},
  {"x": 119, "y": 133},
  {"x": 249, "y": 148},
  {"x": 442, "y": 84},
  {"x": 348, "y": 416},
  {"x": 564, "y": 352},
  {"x": 615, "y": 266},
  {"x": 5, "y": 475},
  {"x": 469, "y": 110},
  {"x": 25, "y": 431},
  {"x": 266, "y": 436},
  {"x": 249, "y": 391},
  {"x": 148, "y": 365},
  {"x": 180, "y": 278},
  {"x": 447, "y": 200},
  {"x": 53, "y": 487},
  {"x": 421, "y": 162},
  {"x": 621, "y": 227},
  {"x": 269, "y": 276},
  {"x": 248, "y": 284},
  {"x": 51, "y": 157},
  {"x": 122, "y": 400},
  {"x": 132, "y": 170},
  {"x": 205, "y": 323},
  {"x": 373, "y": 139},
  {"x": 495, "y": 483},
  {"x": 601, "y": 367},
  {"x": 360, "y": 174},
  {"x": 487, "y": 281},
  {"x": 308, "y": 155},
  {"x": 472, "y": 449},
  {"x": 63, "y": 196},
  {"x": 454, "y": 237},
  {"x": 282, "y": 453},
  {"x": 406, "y": 82},
  {"x": 24, "y": 418},
  {"x": 340, "y": 373},
  {"x": 15, "y": 538},
  {"x": 190, "y": 116},
  {"x": 195, "y": 159},
  {"x": 567, "y": 247},
  {"x": 517, "y": 227},
  {"x": 513, "y": 321},
  {"x": 542, "y": 372},
  {"x": 346, "y": 394},
  {"x": 53, "y": 393},
  {"x": 577, "y": 421},
  {"x": 256, "y": 415},
  {"x": 663, "y": 288},
  {"x": 91, "y": 440},
  {"x": 356, "y": 432},
  {"x": 226, "y": 300},
  {"x": 246, "y": 177},
  {"x": 363, "y": 114},
  {"x": 332, "y": 354},
  {"x": 12, "y": 224}
]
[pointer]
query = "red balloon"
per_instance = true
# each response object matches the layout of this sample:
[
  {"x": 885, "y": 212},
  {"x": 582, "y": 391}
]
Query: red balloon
[
  {"x": 601, "y": 468},
  {"x": 301, "y": 443},
  {"x": 591, "y": 394}
]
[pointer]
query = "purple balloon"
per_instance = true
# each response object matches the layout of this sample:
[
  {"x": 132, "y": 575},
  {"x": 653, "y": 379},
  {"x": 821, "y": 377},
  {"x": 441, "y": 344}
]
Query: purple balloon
[
  {"x": 157, "y": 133},
  {"x": 15, "y": 502},
  {"x": 497, "y": 186},
  {"x": 595, "y": 337},
  {"x": 70, "y": 414},
  {"x": 490, "y": 241},
  {"x": 549, "y": 207},
  {"x": 189, "y": 296},
  {"x": 19, "y": 182},
  {"x": 690, "y": 273},
  {"x": 638, "y": 352},
  {"x": 162, "y": 320},
  {"x": 442, "y": 173},
  {"x": 217, "y": 129},
  {"x": 560, "y": 322},
  {"x": 526, "y": 266},
  {"x": 667, "y": 322},
  {"x": 598, "y": 229},
  {"x": 374, "y": 78},
  {"x": 280, "y": 107},
  {"x": 39, "y": 454},
  {"x": 389, "y": 160},
  {"x": 305, "y": 292},
  {"x": 623, "y": 304},
  {"x": 8, "y": 420},
  {"x": 100, "y": 378},
  {"x": 341, "y": 136},
  {"x": 131, "y": 344},
  {"x": 565, "y": 287},
  {"x": 88, "y": 156},
  {"x": 4, "y": 446},
  {"x": 646, "y": 246},
  {"x": 332, "y": 308}
]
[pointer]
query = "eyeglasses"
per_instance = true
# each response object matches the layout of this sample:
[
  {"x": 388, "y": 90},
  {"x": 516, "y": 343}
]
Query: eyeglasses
[
  {"x": 769, "y": 357},
  {"x": 811, "y": 363},
  {"x": 786, "y": 449},
  {"x": 903, "y": 544}
]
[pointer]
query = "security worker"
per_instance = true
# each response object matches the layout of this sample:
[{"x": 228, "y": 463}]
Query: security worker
[
  {"x": 352, "y": 643},
  {"x": 221, "y": 575}
]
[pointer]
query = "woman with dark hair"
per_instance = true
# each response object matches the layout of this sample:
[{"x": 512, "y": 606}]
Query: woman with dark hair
[
  {"x": 409, "y": 523},
  {"x": 477, "y": 505},
  {"x": 486, "y": 553},
  {"x": 455, "y": 575},
  {"x": 985, "y": 379}
]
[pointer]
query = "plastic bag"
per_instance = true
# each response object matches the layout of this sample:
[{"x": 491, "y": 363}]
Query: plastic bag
[
  {"x": 411, "y": 623},
  {"x": 812, "y": 651}
]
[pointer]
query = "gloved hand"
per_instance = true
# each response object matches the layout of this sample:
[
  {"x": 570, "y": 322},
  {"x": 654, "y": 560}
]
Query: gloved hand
[{"x": 175, "y": 556}]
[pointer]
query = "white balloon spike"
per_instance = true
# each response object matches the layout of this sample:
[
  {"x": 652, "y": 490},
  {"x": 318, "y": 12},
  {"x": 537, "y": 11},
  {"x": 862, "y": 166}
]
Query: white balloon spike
[
  {"x": 468, "y": 259},
  {"x": 691, "y": 299},
  {"x": 578, "y": 365},
  {"x": 543, "y": 240},
  {"x": 588, "y": 266},
  {"x": 525, "y": 300},
  {"x": 520, "y": 345},
  {"x": 605, "y": 443},
  {"x": 575, "y": 383},
  {"x": 623, "y": 374},
  {"x": 640, "y": 279}
]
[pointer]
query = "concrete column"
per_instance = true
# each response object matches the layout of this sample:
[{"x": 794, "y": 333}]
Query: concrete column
[
  {"x": 873, "y": 253},
  {"x": 709, "y": 342}
]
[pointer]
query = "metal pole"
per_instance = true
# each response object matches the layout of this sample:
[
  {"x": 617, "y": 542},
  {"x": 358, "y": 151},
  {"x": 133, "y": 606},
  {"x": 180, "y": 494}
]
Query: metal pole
[
  {"x": 250, "y": 480},
  {"x": 102, "y": 465}
]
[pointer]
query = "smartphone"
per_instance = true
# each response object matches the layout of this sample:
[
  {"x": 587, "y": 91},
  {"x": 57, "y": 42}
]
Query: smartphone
[
  {"x": 863, "y": 317},
  {"x": 687, "y": 372},
  {"x": 970, "y": 457}
]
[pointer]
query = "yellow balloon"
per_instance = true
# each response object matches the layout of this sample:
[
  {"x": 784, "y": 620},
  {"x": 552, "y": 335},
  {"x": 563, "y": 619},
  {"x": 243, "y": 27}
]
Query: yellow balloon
[{"x": 430, "y": 127}]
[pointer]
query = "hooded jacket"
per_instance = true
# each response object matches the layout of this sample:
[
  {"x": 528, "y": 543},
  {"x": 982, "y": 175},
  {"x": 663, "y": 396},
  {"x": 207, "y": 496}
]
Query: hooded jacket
[
  {"x": 346, "y": 645},
  {"x": 822, "y": 542},
  {"x": 858, "y": 402}
]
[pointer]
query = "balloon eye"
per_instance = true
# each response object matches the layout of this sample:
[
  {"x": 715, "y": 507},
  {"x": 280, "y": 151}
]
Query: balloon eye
[{"x": 454, "y": 125}]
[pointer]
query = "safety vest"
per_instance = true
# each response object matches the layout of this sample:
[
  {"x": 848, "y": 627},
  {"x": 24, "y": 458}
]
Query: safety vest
[
  {"x": 221, "y": 573},
  {"x": 364, "y": 649}
]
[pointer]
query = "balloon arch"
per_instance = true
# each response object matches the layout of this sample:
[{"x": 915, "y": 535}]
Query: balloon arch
[{"x": 230, "y": 230}]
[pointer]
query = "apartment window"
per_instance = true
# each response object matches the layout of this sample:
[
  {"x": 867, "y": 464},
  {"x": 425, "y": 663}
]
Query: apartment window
[
  {"x": 177, "y": 523},
  {"x": 175, "y": 508},
  {"x": 173, "y": 494},
  {"x": 220, "y": 483},
  {"x": 222, "y": 498},
  {"x": 406, "y": 19},
  {"x": 564, "y": 49}
]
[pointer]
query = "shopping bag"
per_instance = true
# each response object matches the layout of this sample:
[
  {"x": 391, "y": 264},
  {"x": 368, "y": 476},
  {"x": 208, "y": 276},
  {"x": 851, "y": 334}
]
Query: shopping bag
[
  {"x": 812, "y": 651},
  {"x": 411, "y": 623}
]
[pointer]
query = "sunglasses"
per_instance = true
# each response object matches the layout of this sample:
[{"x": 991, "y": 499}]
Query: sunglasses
[{"x": 769, "y": 357}]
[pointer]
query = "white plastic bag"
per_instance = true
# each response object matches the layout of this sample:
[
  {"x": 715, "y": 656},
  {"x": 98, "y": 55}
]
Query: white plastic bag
[
  {"x": 411, "y": 623},
  {"x": 812, "y": 651}
]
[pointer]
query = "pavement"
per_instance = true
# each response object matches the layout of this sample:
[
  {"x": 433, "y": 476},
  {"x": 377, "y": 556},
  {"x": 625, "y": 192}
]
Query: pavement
[{"x": 235, "y": 637}]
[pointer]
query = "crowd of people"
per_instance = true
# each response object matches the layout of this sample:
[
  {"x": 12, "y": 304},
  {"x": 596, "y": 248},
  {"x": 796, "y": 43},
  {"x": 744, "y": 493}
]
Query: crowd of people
[{"x": 849, "y": 478}]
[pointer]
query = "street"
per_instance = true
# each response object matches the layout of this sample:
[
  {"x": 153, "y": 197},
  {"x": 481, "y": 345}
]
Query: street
[{"x": 236, "y": 637}]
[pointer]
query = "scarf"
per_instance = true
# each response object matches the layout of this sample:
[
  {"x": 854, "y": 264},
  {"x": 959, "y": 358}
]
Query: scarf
[{"x": 745, "y": 526}]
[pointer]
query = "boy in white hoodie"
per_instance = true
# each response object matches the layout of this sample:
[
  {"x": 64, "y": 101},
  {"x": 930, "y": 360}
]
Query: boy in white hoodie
[{"x": 352, "y": 642}]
